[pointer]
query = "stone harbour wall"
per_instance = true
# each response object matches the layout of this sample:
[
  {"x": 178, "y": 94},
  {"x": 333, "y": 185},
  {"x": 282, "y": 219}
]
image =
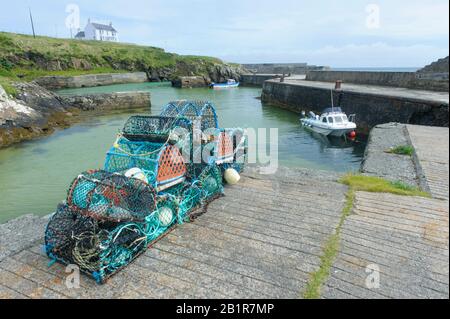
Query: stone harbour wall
[
  {"x": 371, "y": 109},
  {"x": 411, "y": 80}
]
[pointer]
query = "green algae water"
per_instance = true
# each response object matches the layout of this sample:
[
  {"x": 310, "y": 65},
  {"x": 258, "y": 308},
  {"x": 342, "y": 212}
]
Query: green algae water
[{"x": 35, "y": 175}]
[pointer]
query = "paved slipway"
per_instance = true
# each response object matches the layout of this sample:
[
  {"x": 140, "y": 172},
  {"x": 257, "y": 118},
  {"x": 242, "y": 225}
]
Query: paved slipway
[
  {"x": 403, "y": 239},
  {"x": 265, "y": 238}
]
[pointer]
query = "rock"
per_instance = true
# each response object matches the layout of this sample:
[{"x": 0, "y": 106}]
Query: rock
[
  {"x": 81, "y": 64},
  {"x": 37, "y": 111},
  {"x": 79, "y": 81},
  {"x": 109, "y": 101},
  {"x": 440, "y": 66},
  {"x": 189, "y": 82}
]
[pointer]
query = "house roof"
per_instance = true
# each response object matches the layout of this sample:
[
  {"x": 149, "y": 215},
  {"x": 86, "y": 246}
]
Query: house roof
[
  {"x": 105, "y": 27},
  {"x": 80, "y": 34}
]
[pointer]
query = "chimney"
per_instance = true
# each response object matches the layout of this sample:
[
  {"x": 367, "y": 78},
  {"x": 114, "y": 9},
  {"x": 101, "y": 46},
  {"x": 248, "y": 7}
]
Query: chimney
[
  {"x": 110, "y": 24},
  {"x": 89, "y": 20}
]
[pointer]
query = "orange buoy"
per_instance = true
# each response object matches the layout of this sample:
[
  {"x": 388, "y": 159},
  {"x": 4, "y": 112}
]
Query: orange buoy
[{"x": 352, "y": 134}]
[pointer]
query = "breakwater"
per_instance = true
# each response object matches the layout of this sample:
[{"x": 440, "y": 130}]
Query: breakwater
[
  {"x": 257, "y": 79},
  {"x": 372, "y": 105},
  {"x": 88, "y": 80},
  {"x": 280, "y": 68},
  {"x": 410, "y": 80}
]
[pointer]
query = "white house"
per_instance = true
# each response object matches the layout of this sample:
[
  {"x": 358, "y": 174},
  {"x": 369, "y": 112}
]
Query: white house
[{"x": 99, "y": 32}]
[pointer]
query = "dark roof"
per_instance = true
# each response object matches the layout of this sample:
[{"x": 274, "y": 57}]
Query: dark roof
[
  {"x": 104, "y": 27},
  {"x": 80, "y": 34}
]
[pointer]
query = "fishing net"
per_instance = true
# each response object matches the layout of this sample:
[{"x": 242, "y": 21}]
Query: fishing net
[
  {"x": 210, "y": 181},
  {"x": 240, "y": 149},
  {"x": 194, "y": 111},
  {"x": 155, "y": 128},
  {"x": 147, "y": 188},
  {"x": 157, "y": 164},
  {"x": 111, "y": 197},
  {"x": 98, "y": 248}
]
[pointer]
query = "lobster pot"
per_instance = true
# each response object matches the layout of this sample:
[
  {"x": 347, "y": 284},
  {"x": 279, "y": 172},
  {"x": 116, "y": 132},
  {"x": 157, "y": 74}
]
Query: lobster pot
[
  {"x": 156, "y": 129},
  {"x": 125, "y": 155},
  {"x": 210, "y": 182},
  {"x": 106, "y": 196},
  {"x": 98, "y": 248},
  {"x": 240, "y": 149},
  {"x": 196, "y": 111},
  {"x": 224, "y": 148},
  {"x": 162, "y": 164}
]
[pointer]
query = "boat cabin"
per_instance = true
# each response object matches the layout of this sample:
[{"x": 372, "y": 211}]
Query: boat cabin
[{"x": 335, "y": 116}]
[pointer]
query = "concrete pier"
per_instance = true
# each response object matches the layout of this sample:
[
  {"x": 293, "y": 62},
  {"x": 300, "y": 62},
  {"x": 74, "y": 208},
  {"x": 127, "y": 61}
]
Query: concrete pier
[
  {"x": 372, "y": 105},
  {"x": 403, "y": 242},
  {"x": 265, "y": 238},
  {"x": 257, "y": 79}
]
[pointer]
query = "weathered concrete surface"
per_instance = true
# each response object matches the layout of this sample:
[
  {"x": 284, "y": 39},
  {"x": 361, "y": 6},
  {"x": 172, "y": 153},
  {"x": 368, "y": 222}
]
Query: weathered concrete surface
[
  {"x": 379, "y": 162},
  {"x": 410, "y": 80},
  {"x": 257, "y": 79},
  {"x": 280, "y": 68},
  {"x": 60, "y": 82},
  {"x": 372, "y": 105},
  {"x": 262, "y": 240},
  {"x": 404, "y": 239},
  {"x": 20, "y": 233},
  {"x": 431, "y": 146}
]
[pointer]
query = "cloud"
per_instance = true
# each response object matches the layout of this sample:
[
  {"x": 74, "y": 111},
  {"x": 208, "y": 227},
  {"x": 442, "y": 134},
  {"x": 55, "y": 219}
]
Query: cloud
[
  {"x": 328, "y": 32},
  {"x": 350, "y": 55}
]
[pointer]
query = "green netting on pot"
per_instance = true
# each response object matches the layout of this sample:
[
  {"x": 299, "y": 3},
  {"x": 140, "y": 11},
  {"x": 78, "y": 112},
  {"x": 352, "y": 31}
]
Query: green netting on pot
[
  {"x": 98, "y": 248},
  {"x": 125, "y": 155},
  {"x": 155, "y": 128},
  {"x": 202, "y": 111},
  {"x": 210, "y": 181},
  {"x": 111, "y": 197}
]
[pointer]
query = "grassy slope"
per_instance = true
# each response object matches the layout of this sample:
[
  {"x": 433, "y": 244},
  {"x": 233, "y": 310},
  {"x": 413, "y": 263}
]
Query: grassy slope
[{"x": 20, "y": 56}]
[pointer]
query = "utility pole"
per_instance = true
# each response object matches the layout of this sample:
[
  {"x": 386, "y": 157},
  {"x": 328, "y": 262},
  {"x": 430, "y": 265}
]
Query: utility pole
[{"x": 32, "y": 23}]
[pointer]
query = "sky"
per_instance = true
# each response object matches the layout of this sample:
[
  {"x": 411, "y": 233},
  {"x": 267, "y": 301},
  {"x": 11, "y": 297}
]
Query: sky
[{"x": 350, "y": 33}]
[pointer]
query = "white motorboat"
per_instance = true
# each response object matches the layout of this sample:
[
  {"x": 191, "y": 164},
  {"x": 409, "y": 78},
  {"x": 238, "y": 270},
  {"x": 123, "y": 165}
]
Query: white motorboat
[
  {"x": 332, "y": 122},
  {"x": 229, "y": 84}
]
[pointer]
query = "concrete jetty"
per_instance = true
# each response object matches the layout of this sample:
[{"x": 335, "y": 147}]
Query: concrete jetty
[
  {"x": 265, "y": 238},
  {"x": 372, "y": 104},
  {"x": 403, "y": 243}
]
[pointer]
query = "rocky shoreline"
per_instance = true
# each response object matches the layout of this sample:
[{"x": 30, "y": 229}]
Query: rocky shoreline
[{"x": 36, "y": 111}]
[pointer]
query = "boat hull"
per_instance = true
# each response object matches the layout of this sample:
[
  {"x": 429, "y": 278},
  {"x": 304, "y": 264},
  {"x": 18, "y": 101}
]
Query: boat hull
[
  {"x": 224, "y": 86},
  {"x": 311, "y": 125}
]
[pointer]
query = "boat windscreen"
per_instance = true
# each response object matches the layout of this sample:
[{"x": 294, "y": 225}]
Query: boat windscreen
[{"x": 334, "y": 109}]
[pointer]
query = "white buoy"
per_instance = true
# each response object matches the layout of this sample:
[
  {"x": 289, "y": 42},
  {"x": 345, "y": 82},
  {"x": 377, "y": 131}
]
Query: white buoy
[
  {"x": 137, "y": 173},
  {"x": 232, "y": 176},
  {"x": 165, "y": 216}
]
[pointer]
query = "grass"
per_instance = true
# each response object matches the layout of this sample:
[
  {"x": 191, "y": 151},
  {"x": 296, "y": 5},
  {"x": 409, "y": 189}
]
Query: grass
[
  {"x": 7, "y": 86},
  {"x": 379, "y": 185},
  {"x": 402, "y": 150},
  {"x": 332, "y": 245},
  {"x": 24, "y": 57},
  {"x": 330, "y": 251}
]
